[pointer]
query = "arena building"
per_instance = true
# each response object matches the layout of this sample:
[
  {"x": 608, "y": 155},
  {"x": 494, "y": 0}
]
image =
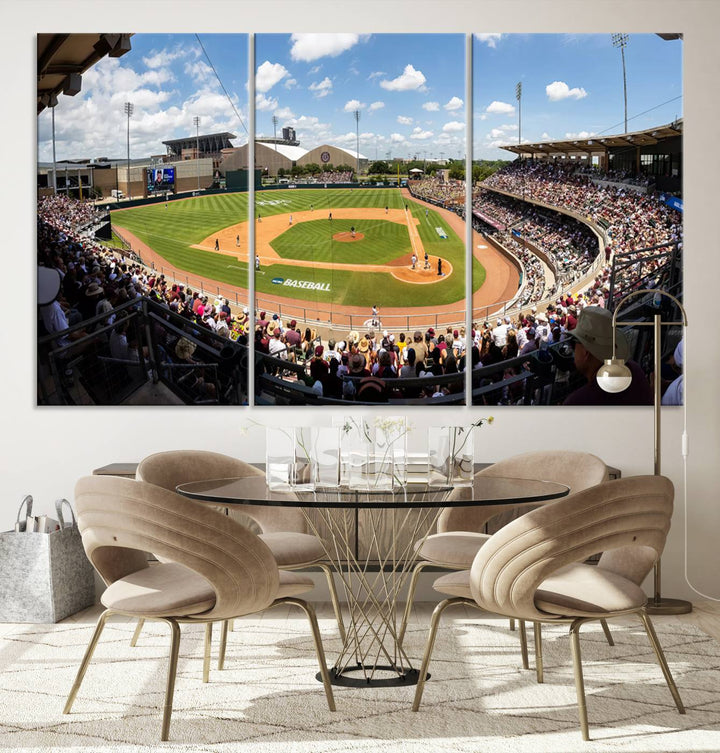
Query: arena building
[{"x": 273, "y": 154}]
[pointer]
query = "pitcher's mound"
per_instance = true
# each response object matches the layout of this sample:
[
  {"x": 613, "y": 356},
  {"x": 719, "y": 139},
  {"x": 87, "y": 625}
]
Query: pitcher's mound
[{"x": 347, "y": 237}]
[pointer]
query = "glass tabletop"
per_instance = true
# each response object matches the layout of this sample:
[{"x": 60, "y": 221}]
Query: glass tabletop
[{"x": 485, "y": 490}]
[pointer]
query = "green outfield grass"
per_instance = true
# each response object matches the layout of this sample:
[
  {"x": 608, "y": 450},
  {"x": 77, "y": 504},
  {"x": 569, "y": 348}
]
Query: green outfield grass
[{"x": 172, "y": 230}]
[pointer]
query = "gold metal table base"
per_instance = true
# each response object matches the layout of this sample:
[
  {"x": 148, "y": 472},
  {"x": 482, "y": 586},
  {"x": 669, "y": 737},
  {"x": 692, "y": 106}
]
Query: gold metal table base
[{"x": 372, "y": 655}]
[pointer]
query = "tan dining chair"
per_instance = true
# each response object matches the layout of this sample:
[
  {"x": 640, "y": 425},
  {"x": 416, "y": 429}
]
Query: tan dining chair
[
  {"x": 283, "y": 529},
  {"x": 212, "y": 568},
  {"x": 461, "y": 530},
  {"x": 535, "y": 567}
]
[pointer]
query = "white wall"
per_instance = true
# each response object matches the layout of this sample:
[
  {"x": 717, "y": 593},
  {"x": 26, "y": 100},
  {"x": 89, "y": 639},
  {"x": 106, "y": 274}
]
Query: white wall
[{"x": 43, "y": 451}]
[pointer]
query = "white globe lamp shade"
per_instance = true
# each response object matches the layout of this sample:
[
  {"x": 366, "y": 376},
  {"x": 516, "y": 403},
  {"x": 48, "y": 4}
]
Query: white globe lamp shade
[{"x": 614, "y": 375}]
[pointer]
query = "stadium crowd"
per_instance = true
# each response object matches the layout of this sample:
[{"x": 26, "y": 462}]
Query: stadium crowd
[
  {"x": 631, "y": 220},
  {"x": 335, "y": 176},
  {"x": 96, "y": 279}
]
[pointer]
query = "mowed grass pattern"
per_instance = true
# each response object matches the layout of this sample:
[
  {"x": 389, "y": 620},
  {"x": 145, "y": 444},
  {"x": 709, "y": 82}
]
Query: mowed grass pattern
[
  {"x": 172, "y": 230},
  {"x": 383, "y": 241}
]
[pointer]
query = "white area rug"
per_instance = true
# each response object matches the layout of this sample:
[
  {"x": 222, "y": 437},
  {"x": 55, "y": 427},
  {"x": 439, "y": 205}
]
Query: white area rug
[{"x": 479, "y": 699}]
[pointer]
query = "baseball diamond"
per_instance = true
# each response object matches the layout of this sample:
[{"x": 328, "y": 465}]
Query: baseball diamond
[{"x": 296, "y": 239}]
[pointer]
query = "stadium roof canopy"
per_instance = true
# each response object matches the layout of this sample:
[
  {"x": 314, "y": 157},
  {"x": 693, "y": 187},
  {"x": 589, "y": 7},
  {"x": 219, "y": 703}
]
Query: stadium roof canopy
[
  {"x": 63, "y": 58},
  {"x": 293, "y": 153},
  {"x": 599, "y": 144},
  {"x": 209, "y": 142}
]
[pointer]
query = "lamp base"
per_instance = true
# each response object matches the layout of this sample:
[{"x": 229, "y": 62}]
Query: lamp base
[{"x": 668, "y": 606}]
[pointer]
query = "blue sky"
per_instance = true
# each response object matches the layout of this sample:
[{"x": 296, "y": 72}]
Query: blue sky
[
  {"x": 169, "y": 80},
  {"x": 409, "y": 89},
  {"x": 571, "y": 86}
]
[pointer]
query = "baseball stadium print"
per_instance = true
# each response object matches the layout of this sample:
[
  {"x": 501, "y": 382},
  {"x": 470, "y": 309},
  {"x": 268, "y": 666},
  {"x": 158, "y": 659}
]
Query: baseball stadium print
[{"x": 336, "y": 264}]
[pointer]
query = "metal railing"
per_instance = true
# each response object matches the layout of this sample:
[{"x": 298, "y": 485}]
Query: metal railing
[{"x": 77, "y": 366}]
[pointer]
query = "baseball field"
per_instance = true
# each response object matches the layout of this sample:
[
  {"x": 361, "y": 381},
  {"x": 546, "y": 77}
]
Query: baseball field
[{"x": 347, "y": 247}]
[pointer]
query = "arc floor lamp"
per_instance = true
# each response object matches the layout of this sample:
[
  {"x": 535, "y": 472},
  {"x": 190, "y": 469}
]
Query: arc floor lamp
[{"x": 615, "y": 376}]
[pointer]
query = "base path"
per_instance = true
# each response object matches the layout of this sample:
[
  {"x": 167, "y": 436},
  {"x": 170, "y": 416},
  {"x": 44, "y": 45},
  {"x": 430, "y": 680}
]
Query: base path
[{"x": 501, "y": 282}]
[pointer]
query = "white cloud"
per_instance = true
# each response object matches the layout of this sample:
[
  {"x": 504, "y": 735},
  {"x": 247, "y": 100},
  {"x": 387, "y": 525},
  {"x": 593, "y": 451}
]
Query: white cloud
[
  {"x": 376, "y": 74},
  {"x": 490, "y": 40},
  {"x": 353, "y": 104},
  {"x": 284, "y": 113},
  {"x": 580, "y": 135},
  {"x": 367, "y": 135},
  {"x": 500, "y": 108},
  {"x": 409, "y": 80},
  {"x": 421, "y": 135},
  {"x": 502, "y": 130},
  {"x": 309, "y": 47},
  {"x": 454, "y": 104},
  {"x": 322, "y": 88},
  {"x": 376, "y": 106},
  {"x": 546, "y": 136},
  {"x": 268, "y": 74},
  {"x": 158, "y": 76},
  {"x": 403, "y": 120},
  {"x": 315, "y": 69},
  {"x": 454, "y": 126},
  {"x": 265, "y": 103},
  {"x": 495, "y": 144},
  {"x": 431, "y": 106},
  {"x": 345, "y": 138},
  {"x": 396, "y": 138},
  {"x": 163, "y": 58},
  {"x": 199, "y": 71},
  {"x": 290, "y": 83},
  {"x": 559, "y": 90}
]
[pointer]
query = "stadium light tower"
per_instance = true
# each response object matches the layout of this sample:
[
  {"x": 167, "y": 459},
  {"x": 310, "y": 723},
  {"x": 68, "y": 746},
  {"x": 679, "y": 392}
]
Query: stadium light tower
[
  {"x": 196, "y": 123},
  {"x": 621, "y": 40},
  {"x": 356, "y": 115},
  {"x": 275, "y": 121},
  {"x": 518, "y": 96},
  {"x": 129, "y": 107}
]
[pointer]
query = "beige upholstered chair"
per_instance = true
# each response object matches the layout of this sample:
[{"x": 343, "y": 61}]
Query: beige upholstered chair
[
  {"x": 212, "y": 567},
  {"x": 283, "y": 529},
  {"x": 534, "y": 568},
  {"x": 461, "y": 530}
]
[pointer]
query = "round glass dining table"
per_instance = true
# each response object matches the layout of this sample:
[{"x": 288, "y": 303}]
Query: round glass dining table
[{"x": 392, "y": 524}]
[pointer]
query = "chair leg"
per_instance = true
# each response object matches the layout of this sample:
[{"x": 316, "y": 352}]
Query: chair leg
[
  {"x": 537, "y": 635},
  {"x": 523, "y": 645},
  {"x": 136, "y": 634},
  {"x": 172, "y": 674},
  {"x": 208, "y": 643},
  {"x": 334, "y": 597},
  {"x": 319, "y": 650},
  {"x": 579, "y": 682},
  {"x": 419, "y": 567},
  {"x": 650, "y": 630},
  {"x": 223, "y": 643},
  {"x": 512, "y": 623},
  {"x": 89, "y": 651},
  {"x": 608, "y": 634},
  {"x": 434, "y": 623}
]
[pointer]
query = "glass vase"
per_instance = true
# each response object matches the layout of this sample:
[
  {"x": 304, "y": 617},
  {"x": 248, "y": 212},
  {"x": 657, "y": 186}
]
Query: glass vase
[
  {"x": 279, "y": 457},
  {"x": 451, "y": 455},
  {"x": 326, "y": 454}
]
